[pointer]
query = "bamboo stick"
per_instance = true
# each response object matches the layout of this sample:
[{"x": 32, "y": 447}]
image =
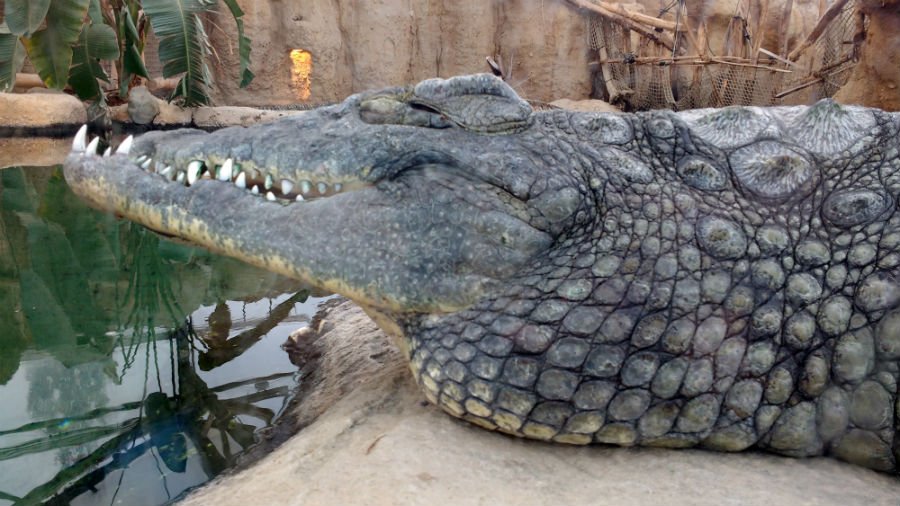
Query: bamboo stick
[
  {"x": 823, "y": 23},
  {"x": 691, "y": 60},
  {"x": 760, "y": 29},
  {"x": 627, "y": 22},
  {"x": 606, "y": 8}
]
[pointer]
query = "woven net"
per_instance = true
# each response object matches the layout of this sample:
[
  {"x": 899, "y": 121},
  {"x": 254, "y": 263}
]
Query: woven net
[{"x": 625, "y": 78}]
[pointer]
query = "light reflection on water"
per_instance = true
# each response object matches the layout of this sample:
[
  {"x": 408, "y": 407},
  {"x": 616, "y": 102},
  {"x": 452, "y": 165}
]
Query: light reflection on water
[{"x": 131, "y": 368}]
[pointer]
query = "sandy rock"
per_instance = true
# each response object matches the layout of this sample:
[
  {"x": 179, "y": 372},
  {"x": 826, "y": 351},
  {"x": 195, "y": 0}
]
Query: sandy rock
[
  {"x": 173, "y": 115},
  {"x": 215, "y": 117},
  {"x": 380, "y": 444},
  {"x": 40, "y": 110},
  {"x": 875, "y": 81},
  {"x": 33, "y": 151},
  {"x": 585, "y": 105},
  {"x": 543, "y": 46}
]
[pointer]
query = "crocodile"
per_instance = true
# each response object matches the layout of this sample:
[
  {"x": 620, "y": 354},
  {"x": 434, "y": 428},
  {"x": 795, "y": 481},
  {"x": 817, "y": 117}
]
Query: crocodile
[{"x": 719, "y": 278}]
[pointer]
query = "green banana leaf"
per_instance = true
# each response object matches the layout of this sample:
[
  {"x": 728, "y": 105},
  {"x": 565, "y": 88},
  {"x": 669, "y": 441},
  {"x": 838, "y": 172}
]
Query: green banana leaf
[
  {"x": 132, "y": 48},
  {"x": 12, "y": 56},
  {"x": 183, "y": 45},
  {"x": 243, "y": 42},
  {"x": 24, "y": 17},
  {"x": 96, "y": 42},
  {"x": 50, "y": 49}
]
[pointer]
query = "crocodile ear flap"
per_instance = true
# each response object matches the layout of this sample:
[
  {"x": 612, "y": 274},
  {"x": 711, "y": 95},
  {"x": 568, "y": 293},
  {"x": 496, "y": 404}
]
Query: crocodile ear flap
[{"x": 481, "y": 103}]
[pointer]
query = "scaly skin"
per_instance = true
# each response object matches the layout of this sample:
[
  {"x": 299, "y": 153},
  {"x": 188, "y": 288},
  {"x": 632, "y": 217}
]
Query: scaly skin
[{"x": 718, "y": 278}]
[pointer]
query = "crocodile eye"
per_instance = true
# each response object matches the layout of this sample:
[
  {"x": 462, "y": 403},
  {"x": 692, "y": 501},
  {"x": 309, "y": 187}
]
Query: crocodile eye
[
  {"x": 856, "y": 207},
  {"x": 390, "y": 111},
  {"x": 701, "y": 174}
]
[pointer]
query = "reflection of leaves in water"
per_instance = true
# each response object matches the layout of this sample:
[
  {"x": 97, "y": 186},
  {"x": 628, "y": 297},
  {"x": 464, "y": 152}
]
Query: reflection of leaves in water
[
  {"x": 148, "y": 292},
  {"x": 68, "y": 275}
]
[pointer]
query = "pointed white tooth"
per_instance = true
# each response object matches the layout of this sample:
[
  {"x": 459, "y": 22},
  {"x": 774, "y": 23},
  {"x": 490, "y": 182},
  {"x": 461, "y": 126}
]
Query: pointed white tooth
[
  {"x": 79, "y": 144},
  {"x": 305, "y": 187},
  {"x": 158, "y": 166},
  {"x": 338, "y": 187},
  {"x": 269, "y": 182},
  {"x": 180, "y": 177},
  {"x": 146, "y": 164},
  {"x": 166, "y": 172},
  {"x": 108, "y": 152},
  {"x": 193, "y": 171},
  {"x": 255, "y": 190},
  {"x": 286, "y": 186},
  {"x": 92, "y": 146},
  {"x": 125, "y": 147},
  {"x": 139, "y": 160},
  {"x": 299, "y": 198},
  {"x": 270, "y": 196},
  {"x": 241, "y": 181},
  {"x": 226, "y": 171},
  {"x": 322, "y": 187}
]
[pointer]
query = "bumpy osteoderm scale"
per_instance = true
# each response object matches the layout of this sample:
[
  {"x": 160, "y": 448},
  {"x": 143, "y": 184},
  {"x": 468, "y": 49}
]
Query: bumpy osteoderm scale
[{"x": 727, "y": 279}]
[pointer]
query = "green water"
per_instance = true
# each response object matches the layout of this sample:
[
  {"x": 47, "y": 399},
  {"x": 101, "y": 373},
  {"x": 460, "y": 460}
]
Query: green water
[{"x": 131, "y": 368}]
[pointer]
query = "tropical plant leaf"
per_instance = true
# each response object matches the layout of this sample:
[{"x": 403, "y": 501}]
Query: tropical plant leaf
[
  {"x": 183, "y": 45},
  {"x": 133, "y": 49},
  {"x": 24, "y": 17},
  {"x": 94, "y": 12},
  {"x": 96, "y": 42},
  {"x": 12, "y": 56},
  {"x": 50, "y": 49},
  {"x": 243, "y": 43}
]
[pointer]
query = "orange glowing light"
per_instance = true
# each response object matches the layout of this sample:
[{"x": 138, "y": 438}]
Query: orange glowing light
[{"x": 301, "y": 69}]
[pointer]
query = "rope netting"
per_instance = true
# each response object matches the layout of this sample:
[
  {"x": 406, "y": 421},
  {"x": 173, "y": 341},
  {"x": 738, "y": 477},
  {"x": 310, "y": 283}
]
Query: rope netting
[{"x": 638, "y": 73}]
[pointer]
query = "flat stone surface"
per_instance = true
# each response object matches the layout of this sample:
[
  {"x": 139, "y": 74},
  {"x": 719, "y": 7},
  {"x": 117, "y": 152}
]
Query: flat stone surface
[
  {"x": 208, "y": 117},
  {"x": 40, "y": 110},
  {"x": 381, "y": 445},
  {"x": 589, "y": 105}
]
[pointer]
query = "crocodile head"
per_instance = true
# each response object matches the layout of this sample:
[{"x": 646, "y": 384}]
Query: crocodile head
[{"x": 408, "y": 201}]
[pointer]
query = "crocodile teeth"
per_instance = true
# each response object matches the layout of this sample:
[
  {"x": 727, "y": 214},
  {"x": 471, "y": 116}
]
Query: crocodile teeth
[
  {"x": 141, "y": 159},
  {"x": 125, "y": 147},
  {"x": 146, "y": 164},
  {"x": 180, "y": 177},
  {"x": 338, "y": 187},
  {"x": 322, "y": 187},
  {"x": 193, "y": 171},
  {"x": 269, "y": 182},
  {"x": 299, "y": 198},
  {"x": 241, "y": 181},
  {"x": 92, "y": 147},
  {"x": 108, "y": 152},
  {"x": 226, "y": 172},
  {"x": 79, "y": 144},
  {"x": 286, "y": 186},
  {"x": 166, "y": 172},
  {"x": 305, "y": 187},
  {"x": 270, "y": 196},
  {"x": 255, "y": 190}
]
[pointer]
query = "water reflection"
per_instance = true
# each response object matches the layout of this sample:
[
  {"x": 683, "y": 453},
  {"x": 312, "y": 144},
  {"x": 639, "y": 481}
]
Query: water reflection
[{"x": 131, "y": 368}]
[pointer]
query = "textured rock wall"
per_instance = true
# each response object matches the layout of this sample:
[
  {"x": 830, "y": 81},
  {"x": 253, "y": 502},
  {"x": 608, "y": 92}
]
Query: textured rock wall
[
  {"x": 363, "y": 44},
  {"x": 875, "y": 81}
]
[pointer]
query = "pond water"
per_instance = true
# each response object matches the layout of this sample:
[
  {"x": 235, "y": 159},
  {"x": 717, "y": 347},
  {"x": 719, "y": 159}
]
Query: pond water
[{"x": 131, "y": 368}]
